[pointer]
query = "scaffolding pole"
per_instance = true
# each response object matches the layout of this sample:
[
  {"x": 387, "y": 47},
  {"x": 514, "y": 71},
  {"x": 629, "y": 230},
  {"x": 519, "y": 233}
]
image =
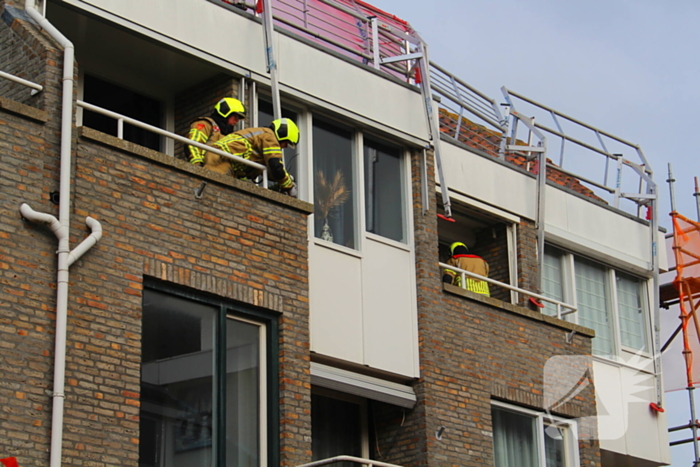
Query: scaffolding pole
[{"x": 687, "y": 352}]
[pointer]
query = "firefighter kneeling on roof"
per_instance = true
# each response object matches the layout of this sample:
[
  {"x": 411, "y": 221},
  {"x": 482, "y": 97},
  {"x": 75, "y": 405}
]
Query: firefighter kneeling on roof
[
  {"x": 261, "y": 145},
  {"x": 463, "y": 260}
]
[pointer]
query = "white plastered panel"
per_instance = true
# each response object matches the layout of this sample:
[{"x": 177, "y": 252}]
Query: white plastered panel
[
  {"x": 336, "y": 304},
  {"x": 389, "y": 313}
]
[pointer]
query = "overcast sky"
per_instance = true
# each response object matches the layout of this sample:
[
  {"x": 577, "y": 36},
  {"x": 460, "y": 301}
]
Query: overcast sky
[{"x": 628, "y": 67}]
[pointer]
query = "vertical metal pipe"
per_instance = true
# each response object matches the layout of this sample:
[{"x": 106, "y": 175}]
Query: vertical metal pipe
[
  {"x": 694, "y": 425},
  {"x": 671, "y": 188},
  {"x": 697, "y": 197},
  {"x": 375, "y": 42},
  {"x": 268, "y": 30}
]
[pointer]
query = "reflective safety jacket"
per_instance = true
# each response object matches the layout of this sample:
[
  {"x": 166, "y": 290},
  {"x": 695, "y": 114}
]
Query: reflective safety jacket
[
  {"x": 255, "y": 144},
  {"x": 471, "y": 263},
  {"x": 202, "y": 130}
]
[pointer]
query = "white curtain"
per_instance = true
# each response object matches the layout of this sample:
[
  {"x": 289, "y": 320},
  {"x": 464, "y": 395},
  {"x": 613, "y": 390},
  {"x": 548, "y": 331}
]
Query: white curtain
[
  {"x": 593, "y": 303},
  {"x": 514, "y": 440},
  {"x": 552, "y": 279},
  {"x": 632, "y": 320}
]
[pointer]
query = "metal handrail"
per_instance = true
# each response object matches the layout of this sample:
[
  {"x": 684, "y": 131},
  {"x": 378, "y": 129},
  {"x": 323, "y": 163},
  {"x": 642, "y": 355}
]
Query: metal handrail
[
  {"x": 618, "y": 161},
  {"x": 357, "y": 460},
  {"x": 559, "y": 305},
  {"x": 121, "y": 119},
  {"x": 36, "y": 88}
]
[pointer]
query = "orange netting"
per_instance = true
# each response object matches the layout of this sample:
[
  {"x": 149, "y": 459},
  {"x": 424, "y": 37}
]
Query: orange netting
[{"x": 686, "y": 249}]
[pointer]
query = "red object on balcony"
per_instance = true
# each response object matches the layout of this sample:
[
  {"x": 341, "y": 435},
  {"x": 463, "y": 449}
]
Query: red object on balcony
[
  {"x": 9, "y": 462},
  {"x": 656, "y": 407}
]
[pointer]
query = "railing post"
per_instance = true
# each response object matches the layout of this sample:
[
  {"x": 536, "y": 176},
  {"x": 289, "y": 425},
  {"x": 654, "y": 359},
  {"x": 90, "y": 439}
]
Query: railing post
[{"x": 375, "y": 42}]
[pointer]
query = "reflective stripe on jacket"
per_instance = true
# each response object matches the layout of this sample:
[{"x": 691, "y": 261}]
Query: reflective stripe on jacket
[
  {"x": 471, "y": 263},
  {"x": 202, "y": 130}
]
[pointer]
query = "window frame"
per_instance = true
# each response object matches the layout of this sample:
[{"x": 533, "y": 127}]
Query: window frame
[
  {"x": 542, "y": 420},
  {"x": 469, "y": 207},
  {"x": 403, "y": 188},
  {"x": 357, "y": 184},
  {"x": 611, "y": 273},
  {"x": 269, "y": 413}
]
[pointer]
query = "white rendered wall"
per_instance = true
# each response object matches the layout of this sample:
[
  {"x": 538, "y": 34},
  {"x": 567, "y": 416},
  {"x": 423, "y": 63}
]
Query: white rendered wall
[
  {"x": 626, "y": 424},
  {"x": 335, "y": 284},
  {"x": 224, "y": 37},
  {"x": 570, "y": 221},
  {"x": 363, "y": 310}
]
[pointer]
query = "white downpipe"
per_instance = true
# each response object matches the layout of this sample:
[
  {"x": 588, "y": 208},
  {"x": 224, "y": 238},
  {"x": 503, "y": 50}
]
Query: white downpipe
[{"x": 62, "y": 230}]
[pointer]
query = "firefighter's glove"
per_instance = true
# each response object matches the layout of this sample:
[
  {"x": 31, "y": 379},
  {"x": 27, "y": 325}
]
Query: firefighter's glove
[{"x": 293, "y": 192}]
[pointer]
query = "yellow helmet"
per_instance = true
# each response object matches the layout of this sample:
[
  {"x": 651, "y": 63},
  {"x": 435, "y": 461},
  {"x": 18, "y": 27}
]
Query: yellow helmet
[
  {"x": 229, "y": 106},
  {"x": 285, "y": 130},
  {"x": 455, "y": 249}
]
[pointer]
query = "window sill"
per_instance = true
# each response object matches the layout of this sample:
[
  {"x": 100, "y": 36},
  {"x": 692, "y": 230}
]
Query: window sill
[
  {"x": 159, "y": 157},
  {"x": 518, "y": 310},
  {"x": 387, "y": 241},
  {"x": 645, "y": 363},
  {"x": 334, "y": 246}
]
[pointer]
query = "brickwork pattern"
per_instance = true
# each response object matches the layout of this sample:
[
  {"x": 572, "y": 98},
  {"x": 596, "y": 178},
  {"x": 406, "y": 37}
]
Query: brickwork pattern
[
  {"x": 527, "y": 256},
  {"x": 230, "y": 243},
  {"x": 493, "y": 247},
  {"x": 28, "y": 254},
  {"x": 23, "y": 54},
  {"x": 471, "y": 354}
]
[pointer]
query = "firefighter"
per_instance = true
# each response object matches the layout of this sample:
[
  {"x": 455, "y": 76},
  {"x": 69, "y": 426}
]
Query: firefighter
[
  {"x": 261, "y": 145},
  {"x": 226, "y": 114},
  {"x": 472, "y": 263}
]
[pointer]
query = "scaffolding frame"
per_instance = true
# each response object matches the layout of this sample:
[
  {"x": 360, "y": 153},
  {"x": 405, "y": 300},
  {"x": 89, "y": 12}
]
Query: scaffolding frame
[{"x": 688, "y": 311}]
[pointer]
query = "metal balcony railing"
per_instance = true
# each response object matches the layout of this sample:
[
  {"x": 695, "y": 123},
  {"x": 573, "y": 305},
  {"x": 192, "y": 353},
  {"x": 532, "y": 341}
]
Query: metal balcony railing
[
  {"x": 36, "y": 88},
  {"x": 563, "y": 308},
  {"x": 122, "y": 119},
  {"x": 379, "y": 39}
]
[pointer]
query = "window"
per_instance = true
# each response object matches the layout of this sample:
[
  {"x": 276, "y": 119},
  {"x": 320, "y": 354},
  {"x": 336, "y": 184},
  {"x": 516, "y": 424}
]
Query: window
[
  {"x": 609, "y": 301},
  {"x": 384, "y": 211},
  {"x": 204, "y": 374},
  {"x": 633, "y": 330},
  {"x": 552, "y": 278},
  {"x": 487, "y": 235},
  {"x": 338, "y": 426},
  {"x": 525, "y": 438},
  {"x": 123, "y": 101},
  {"x": 334, "y": 178}
]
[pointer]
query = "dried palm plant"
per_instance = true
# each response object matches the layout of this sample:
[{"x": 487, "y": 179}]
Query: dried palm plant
[{"x": 329, "y": 195}]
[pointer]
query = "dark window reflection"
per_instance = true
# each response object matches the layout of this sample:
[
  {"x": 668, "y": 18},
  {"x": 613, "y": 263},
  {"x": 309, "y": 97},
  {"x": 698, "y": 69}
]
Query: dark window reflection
[{"x": 122, "y": 101}]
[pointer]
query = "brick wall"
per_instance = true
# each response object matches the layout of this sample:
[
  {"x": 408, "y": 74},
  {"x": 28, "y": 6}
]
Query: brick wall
[
  {"x": 239, "y": 242},
  {"x": 493, "y": 247},
  {"x": 474, "y": 351},
  {"x": 27, "y": 253},
  {"x": 24, "y": 55}
]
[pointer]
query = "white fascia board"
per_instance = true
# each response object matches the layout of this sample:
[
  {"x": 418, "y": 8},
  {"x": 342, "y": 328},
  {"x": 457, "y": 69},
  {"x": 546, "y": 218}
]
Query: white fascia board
[
  {"x": 469, "y": 201},
  {"x": 362, "y": 385},
  {"x": 308, "y": 98},
  {"x": 164, "y": 39}
]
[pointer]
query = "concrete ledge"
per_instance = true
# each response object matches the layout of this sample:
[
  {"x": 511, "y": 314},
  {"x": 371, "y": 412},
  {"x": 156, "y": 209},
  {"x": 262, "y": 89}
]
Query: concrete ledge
[
  {"x": 518, "y": 310},
  {"x": 159, "y": 157},
  {"x": 23, "y": 110}
]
